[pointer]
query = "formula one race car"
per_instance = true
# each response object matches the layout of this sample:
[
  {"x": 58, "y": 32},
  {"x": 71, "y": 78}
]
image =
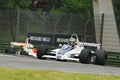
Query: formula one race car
[
  {"x": 75, "y": 51},
  {"x": 24, "y": 48}
]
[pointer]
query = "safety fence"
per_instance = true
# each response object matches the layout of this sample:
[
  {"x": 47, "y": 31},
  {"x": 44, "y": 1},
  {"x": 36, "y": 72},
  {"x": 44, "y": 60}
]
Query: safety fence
[{"x": 15, "y": 25}]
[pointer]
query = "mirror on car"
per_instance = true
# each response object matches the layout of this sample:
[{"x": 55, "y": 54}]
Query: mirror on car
[{"x": 60, "y": 45}]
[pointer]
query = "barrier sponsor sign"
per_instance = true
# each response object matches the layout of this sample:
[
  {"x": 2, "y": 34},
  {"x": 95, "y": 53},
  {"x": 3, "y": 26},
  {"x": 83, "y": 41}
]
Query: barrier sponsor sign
[
  {"x": 37, "y": 38},
  {"x": 61, "y": 39},
  {"x": 49, "y": 39}
]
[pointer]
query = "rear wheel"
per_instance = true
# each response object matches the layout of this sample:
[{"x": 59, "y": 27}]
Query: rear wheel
[
  {"x": 101, "y": 57},
  {"x": 10, "y": 50},
  {"x": 42, "y": 50},
  {"x": 85, "y": 56}
]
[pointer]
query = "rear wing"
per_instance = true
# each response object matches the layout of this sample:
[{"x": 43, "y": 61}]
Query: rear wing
[
  {"x": 20, "y": 44},
  {"x": 17, "y": 44},
  {"x": 89, "y": 44}
]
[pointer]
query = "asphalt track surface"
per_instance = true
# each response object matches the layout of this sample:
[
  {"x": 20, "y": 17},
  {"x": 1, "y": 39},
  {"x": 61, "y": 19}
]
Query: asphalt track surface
[{"x": 14, "y": 61}]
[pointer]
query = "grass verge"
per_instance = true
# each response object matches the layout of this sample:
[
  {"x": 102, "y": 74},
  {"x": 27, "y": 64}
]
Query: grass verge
[{"x": 31, "y": 74}]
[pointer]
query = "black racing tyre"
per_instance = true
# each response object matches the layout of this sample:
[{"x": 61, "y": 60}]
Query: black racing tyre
[
  {"x": 101, "y": 57},
  {"x": 42, "y": 50},
  {"x": 23, "y": 52},
  {"x": 10, "y": 50},
  {"x": 85, "y": 56}
]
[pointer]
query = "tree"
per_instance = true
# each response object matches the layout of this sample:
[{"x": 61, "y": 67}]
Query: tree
[
  {"x": 76, "y": 6},
  {"x": 116, "y": 4},
  {"x": 117, "y": 13},
  {"x": 22, "y": 4},
  {"x": 6, "y": 4},
  {"x": 14, "y": 4}
]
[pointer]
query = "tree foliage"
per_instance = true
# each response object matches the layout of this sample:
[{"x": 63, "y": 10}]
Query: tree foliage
[
  {"x": 6, "y": 4},
  {"x": 14, "y": 4},
  {"x": 84, "y": 7},
  {"x": 75, "y": 5},
  {"x": 116, "y": 4}
]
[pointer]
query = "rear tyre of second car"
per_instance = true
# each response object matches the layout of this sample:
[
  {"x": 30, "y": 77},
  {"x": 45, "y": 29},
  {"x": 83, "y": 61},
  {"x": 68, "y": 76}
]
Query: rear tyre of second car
[{"x": 10, "y": 50}]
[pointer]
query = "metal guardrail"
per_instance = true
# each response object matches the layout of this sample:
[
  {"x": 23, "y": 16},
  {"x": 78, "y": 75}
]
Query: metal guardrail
[
  {"x": 3, "y": 46},
  {"x": 113, "y": 58}
]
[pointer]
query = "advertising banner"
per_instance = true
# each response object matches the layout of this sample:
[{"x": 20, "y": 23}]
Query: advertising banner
[
  {"x": 37, "y": 38},
  {"x": 49, "y": 39}
]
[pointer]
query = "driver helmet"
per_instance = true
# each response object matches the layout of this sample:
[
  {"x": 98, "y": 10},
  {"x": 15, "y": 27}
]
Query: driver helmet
[{"x": 72, "y": 40}]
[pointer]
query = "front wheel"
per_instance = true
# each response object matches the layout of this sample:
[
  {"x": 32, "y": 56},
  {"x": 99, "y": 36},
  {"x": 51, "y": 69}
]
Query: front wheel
[
  {"x": 85, "y": 56},
  {"x": 101, "y": 57},
  {"x": 42, "y": 50}
]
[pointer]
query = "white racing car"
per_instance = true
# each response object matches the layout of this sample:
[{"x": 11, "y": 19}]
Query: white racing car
[
  {"x": 75, "y": 51},
  {"x": 24, "y": 48}
]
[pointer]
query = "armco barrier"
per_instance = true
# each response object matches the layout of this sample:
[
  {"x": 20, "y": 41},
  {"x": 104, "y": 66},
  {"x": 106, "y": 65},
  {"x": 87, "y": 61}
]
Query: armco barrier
[
  {"x": 113, "y": 58},
  {"x": 3, "y": 46}
]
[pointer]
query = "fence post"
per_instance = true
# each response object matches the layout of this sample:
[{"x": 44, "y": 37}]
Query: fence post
[
  {"x": 69, "y": 23},
  {"x": 12, "y": 30},
  {"x": 101, "y": 32},
  {"x": 0, "y": 28},
  {"x": 55, "y": 28},
  {"x": 17, "y": 25},
  {"x": 43, "y": 21},
  {"x": 85, "y": 29}
]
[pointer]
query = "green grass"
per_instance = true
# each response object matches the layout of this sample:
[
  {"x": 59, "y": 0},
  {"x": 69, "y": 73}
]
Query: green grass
[{"x": 31, "y": 74}]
